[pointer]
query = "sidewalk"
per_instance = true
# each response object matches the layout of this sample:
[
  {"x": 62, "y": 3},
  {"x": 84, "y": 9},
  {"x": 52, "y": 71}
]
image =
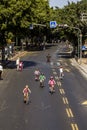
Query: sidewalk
[
  {"x": 18, "y": 54},
  {"x": 82, "y": 67}
]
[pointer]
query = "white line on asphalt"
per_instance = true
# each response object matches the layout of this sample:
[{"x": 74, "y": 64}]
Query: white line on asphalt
[{"x": 55, "y": 73}]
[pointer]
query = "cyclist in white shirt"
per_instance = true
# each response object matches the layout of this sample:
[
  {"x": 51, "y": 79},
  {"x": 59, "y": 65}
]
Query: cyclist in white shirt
[{"x": 61, "y": 72}]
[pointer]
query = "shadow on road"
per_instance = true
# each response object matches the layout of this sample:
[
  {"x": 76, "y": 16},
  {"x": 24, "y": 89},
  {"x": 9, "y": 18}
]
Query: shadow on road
[{"x": 12, "y": 64}]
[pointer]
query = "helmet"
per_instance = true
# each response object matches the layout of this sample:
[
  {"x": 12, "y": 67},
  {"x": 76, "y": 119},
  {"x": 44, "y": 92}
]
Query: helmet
[{"x": 51, "y": 77}]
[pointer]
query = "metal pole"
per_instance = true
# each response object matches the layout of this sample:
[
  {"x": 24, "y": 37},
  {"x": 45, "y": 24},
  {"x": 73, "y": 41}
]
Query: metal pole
[
  {"x": 80, "y": 47},
  {"x": 79, "y": 43}
]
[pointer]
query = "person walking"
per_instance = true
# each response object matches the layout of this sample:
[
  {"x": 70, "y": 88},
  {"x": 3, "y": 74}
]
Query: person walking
[
  {"x": 61, "y": 72},
  {"x": 1, "y": 70},
  {"x": 17, "y": 63}
]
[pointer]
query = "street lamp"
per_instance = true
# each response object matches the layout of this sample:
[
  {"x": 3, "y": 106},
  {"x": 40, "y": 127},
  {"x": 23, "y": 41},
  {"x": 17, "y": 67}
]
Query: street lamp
[
  {"x": 80, "y": 47},
  {"x": 79, "y": 43}
]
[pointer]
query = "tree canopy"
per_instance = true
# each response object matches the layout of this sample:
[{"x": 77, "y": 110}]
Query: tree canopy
[
  {"x": 72, "y": 16},
  {"x": 17, "y": 15}
]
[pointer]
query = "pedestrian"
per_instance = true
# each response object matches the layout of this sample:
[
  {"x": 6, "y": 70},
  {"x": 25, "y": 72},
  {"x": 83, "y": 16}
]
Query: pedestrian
[
  {"x": 1, "y": 70},
  {"x": 61, "y": 72},
  {"x": 51, "y": 84},
  {"x": 17, "y": 63}
]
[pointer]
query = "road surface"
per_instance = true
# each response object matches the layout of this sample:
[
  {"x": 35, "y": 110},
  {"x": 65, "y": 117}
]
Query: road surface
[{"x": 64, "y": 110}]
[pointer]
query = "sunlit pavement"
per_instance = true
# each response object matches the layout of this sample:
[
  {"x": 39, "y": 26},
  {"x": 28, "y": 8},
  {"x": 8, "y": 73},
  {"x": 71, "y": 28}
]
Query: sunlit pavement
[{"x": 82, "y": 67}]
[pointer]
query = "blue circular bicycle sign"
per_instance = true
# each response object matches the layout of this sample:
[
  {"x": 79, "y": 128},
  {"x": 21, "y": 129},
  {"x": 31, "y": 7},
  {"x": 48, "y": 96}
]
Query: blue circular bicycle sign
[{"x": 53, "y": 24}]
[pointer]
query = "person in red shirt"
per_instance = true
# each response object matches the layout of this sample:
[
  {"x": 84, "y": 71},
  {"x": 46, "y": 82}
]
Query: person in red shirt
[{"x": 26, "y": 92}]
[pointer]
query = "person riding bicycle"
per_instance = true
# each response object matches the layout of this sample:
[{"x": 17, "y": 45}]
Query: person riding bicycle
[
  {"x": 26, "y": 92},
  {"x": 51, "y": 84},
  {"x": 48, "y": 57},
  {"x": 61, "y": 72},
  {"x": 21, "y": 65},
  {"x": 37, "y": 74},
  {"x": 41, "y": 79}
]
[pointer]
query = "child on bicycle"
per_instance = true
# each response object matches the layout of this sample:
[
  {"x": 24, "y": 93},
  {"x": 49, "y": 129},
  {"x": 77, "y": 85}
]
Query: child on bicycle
[{"x": 26, "y": 92}]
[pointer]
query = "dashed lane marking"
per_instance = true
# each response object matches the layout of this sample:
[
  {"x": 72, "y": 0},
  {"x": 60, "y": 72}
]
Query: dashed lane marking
[
  {"x": 69, "y": 112},
  {"x": 84, "y": 103},
  {"x": 67, "y": 70},
  {"x": 74, "y": 127},
  {"x": 53, "y": 69},
  {"x": 55, "y": 73},
  {"x": 56, "y": 77},
  {"x": 59, "y": 83},
  {"x": 65, "y": 100},
  {"x": 62, "y": 91}
]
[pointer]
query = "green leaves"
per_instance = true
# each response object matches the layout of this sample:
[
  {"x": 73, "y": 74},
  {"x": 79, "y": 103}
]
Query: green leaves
[{"x": 71, "y": 15}]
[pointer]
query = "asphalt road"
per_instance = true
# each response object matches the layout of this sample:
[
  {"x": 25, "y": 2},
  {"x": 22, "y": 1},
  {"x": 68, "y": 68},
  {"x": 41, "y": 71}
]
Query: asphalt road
[{"x": 64, "y": 110}]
